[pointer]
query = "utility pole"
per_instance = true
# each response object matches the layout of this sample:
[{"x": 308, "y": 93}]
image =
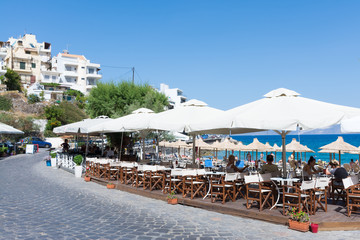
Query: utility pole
[{"x": 133, "y": 77}]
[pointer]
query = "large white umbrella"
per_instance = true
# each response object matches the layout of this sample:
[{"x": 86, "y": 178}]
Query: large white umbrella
[
  {"x": 82, "y": 126},
  {"x": 281, "y": 110},
  {"x": 351, "y": 125},
  {"x": 179, "y": 119},
  {"x": 7, "y": 129},
  {"x": 136, "y": 121}
]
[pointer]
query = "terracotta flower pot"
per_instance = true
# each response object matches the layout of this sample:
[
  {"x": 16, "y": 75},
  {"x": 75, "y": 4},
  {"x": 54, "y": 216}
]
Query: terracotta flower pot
[
  {"x": 173, "y": 201},
  {"x": 87, "y": 179},
  {"x": 299, "y": 226},
  {"x": 110, "y": 186}
]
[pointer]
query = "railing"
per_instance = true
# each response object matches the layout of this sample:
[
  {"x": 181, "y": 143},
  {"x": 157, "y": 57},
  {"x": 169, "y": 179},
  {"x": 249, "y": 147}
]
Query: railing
[{"x": 65, "y": 160}]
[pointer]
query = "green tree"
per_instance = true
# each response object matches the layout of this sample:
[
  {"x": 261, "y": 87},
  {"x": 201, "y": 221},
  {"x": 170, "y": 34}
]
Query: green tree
[
  {"x": 12, "y": 80},
  {"x": 33, "y": 98},
  {"x": 116, "y": 100},
  {"x": 22, "y": 123},
  {"x": 5, "y": 103},
  {"x": 42, "y": 96}
]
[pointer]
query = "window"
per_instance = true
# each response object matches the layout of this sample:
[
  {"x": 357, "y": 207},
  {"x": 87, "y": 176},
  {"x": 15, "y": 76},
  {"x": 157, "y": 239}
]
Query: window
[
  {"x": 82, "y": 67},
  {"x": 27, "y": 52},
  {"x": 91, "y": 71},
  {"x": 33, "y": 65},
  {"x": 22, "y": 65},
  {"x": 54, "y": 77},
  {"x": 47, "y": 77}
]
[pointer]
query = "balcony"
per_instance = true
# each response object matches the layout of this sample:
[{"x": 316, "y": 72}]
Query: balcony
[
  {"x": 93, "y": 75},
  {"x": 70, "y": 73}
]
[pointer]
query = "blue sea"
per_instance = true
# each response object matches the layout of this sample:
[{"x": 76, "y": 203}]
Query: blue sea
[{"x": 312, "y": 141}]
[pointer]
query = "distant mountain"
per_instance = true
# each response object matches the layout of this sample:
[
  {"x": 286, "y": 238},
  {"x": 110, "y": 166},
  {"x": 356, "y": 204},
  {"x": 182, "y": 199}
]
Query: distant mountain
[{"x": 330, "y": 130}]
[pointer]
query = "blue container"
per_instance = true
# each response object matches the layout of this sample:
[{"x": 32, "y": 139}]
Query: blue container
[{"x": 48, "y": 163}]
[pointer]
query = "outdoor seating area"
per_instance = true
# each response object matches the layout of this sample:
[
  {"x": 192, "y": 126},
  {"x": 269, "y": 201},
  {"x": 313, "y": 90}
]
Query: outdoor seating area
[{"x": 253, "y": 192}]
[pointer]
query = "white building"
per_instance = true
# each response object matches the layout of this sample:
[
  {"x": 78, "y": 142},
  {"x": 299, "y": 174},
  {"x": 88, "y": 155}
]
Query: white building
[
  {"x": 175, "y": 95},
  {"x": 76, "y": 71},
  {"x": 3, "y": 52}
]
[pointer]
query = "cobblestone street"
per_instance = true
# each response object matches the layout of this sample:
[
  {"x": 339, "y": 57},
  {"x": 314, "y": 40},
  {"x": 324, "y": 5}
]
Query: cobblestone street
[{"x": 39, "y": 202}]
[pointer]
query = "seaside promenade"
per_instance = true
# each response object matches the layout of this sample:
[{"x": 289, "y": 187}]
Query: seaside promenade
[{"x": 39, "y": 202}]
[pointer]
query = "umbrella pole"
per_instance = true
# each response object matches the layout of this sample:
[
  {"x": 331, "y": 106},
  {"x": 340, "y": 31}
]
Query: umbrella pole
[
  {"x": 121, "y": 143},
  {"x": 340, "y": 158},
  {"x": 193, "y": 149},
  {"x": 239, "y": 155},
  {"x": 87, "y": 145},
  {"x": 143, "y": 157},
  {"x": 283, "y": 136}
]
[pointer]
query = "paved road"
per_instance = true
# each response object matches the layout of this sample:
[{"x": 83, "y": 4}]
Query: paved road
[{"x": 38, "y": 202}]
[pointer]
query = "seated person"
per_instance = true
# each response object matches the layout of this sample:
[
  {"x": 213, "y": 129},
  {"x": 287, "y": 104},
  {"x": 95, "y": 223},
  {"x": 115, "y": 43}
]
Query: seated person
[
  {"x": 270, "y": 167},
  {"x": 231, "y": 168},
  {"x": 309, "y": 169},
  {"x": 338, "y": 172},
  {"x": 110, "y": 153}
]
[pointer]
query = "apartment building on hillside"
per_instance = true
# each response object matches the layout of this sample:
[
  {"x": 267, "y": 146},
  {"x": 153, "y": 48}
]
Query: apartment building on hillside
[
  {"x": 27, "y": 57},
  {"x": 76, "y": 71}
]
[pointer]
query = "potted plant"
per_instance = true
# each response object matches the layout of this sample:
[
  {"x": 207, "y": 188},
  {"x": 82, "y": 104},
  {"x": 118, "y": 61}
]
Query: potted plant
[
  {"x": 87, "y": 175},
  {"x": 110, "y": 185},
  {"x": 78, "y": 168},
  {"x": 172, "y": 199},
  {"x": 299, "y": 220},
  {"x": 53, "y": 159}
]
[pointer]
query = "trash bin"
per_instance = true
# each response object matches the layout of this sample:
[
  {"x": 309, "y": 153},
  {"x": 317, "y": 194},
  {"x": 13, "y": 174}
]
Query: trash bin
[{"x": 48, "y": 163}]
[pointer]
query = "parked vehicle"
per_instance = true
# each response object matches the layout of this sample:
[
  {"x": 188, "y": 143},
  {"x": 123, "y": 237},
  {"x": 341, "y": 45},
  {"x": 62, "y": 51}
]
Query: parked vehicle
[{"x": 36, "y": 140}]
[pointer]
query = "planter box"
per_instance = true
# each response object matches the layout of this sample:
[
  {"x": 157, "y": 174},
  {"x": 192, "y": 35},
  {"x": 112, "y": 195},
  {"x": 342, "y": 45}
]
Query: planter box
[
  {"x": 53, "y": 162},
  {"x": 173, "y": 201},
  {"x": 87, "y": 179},
  {"x": 78, "y": 171},
  {"x": 299, "y": 226},
  {"x": 110, "y": 186}
]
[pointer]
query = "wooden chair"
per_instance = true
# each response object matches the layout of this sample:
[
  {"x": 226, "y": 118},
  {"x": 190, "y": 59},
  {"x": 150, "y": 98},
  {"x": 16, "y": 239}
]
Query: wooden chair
[
  {"x": 299, "y": 197},
  {"x": 175, "y": 181},
  {"x": 128, "y": 173},
  {"x": 226, "y": 188},
  {"x": 257, "y": 191},
  {"x": 352, "y": 189},
  {"x": 112, "y": 171},
  {"x": 139, "y": 176},
  {"x": 153, "y": 179},
  {"x": 337, "y": 190},
  {"x": 193, "y": 184},
  {"x": 240, "y": 186},
  {"x": 321, "y": 193}
]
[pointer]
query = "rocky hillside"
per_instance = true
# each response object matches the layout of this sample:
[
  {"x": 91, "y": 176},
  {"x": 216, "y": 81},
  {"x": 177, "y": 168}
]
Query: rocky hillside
[{"x": 20, "y": 105}]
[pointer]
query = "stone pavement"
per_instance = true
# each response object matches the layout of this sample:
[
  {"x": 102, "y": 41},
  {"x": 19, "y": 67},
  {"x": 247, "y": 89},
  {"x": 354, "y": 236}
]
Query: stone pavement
[{"x": 38, "y": 202}]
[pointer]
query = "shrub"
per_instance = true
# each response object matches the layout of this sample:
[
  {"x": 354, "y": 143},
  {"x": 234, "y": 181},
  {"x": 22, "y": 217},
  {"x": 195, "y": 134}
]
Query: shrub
[
  {"x": 53, "y": 154},
  {"x": 5, "y": 103},
  {"x": 78, "y": 160},
  {"x": 33, "y": 98}
]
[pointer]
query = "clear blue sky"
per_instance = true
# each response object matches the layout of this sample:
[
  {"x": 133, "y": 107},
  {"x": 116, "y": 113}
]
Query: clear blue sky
[{"x": 225, "y": 53}]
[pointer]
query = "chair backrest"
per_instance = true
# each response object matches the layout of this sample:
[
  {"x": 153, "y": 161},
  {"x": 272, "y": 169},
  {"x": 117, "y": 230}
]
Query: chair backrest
[
  {"x": 265, "y": 177},
  {"x": 208, "y": 163},
  {"x": 150, "y": 168},
  {"x": 140, "y": 168},
  {"x": 355, "y": 179},
  {"x": 356, "y": 168},
  {"x": 347, "y": 167},
  {"x": 322, "y": 182},
  {"x": 251, "y": 178},
  {"x": 230, "y": 177},
  {"x": 200, "y": 171},
  {"x": 347, "y": 182},
  {"x": 306, "y": 185},
  {"x": 160, "y": 168},
  {"x": 189, "y": 172},
  {"x": 240, "y": 175},
  {"x": 115, "y": 164},
  {"x": 176, "y": 172}
]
